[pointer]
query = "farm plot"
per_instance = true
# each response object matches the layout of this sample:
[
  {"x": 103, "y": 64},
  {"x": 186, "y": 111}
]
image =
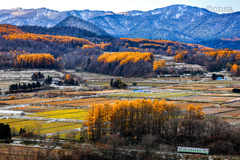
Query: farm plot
[
  {"x": 222, "y": 82},
  {"x": 80, "y": 102},
  {"x": 187, "y": 88},
  {"x": 66, "y": 113},
  {"x": 106, "y": 91},
  {"x": 155, "y": 84},
  {"x": 221, "y": 95},
  {"x": 153, "y": 95},
  {"x": 216, "y": 110},
  {"x": 184, "y": 106},
  {"x": 232, "y": 121},
  {"x": 213, "y": 85},
  {"x": 31, "y": 100},
  {"x": 41, "y": 110},
  {"x": 208, "y": 99},
  {"x": 233, "y": 105},
  {"x": 23, "y": 123},
  {"x": 222, "y": 89},
  {"x": 4, "y": 84},
  {"x": 44, "y": 128},
  {"x": 232, "y": 114},
  {"x": 61, "y": 128},
  {"x": 10, "y": 120},
  {"x": 70, "y": 135},
  {"x": 28, "y": 108}
]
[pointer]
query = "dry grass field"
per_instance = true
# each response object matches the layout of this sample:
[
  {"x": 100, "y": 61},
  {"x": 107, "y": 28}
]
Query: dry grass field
[
  {"x": 234, "y": 104},
  {"x": 222, "y": 89},
  {"x": 216, "y": 110},
  {"x": 208, "y": 99},
  {"x": 80, "y": 102},
  {"x": 221, "y": 95},
  {"x": 186, "y": 88},
  {"x": 31, "y": 100},
  {"x": 232, "y": 114},
  {"x": 28, "y": 107},
  {"x": 184, "y": 106}
]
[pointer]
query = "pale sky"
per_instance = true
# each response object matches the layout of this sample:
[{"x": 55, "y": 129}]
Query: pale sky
[{"x": 115, "y": 5}]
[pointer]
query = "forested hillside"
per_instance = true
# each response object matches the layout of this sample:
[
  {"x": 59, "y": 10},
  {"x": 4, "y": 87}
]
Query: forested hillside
[
  {"x": 74, "y": 51},
  {"x": 67, "y": 31}
]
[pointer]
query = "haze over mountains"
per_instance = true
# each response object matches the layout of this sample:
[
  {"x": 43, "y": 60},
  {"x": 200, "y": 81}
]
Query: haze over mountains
[{"x": 177, "y": 22}]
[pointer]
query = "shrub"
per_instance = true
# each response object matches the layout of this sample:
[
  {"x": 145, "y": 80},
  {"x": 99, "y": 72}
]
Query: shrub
[
  {"x": 134, "y": 83},
  {"x": 12, "y": 97}
]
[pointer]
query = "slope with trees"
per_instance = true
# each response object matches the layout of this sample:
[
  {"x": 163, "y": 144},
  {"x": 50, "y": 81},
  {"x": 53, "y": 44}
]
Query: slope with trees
[{"x": 136, "y": 119}]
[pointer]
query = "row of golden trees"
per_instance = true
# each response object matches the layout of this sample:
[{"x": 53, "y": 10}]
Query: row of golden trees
[
  {"x": 41, "y": 60},
  {"x": 133, "y": 118},
  {"x": 125, "y": 57},
  {"x": 133, "y": 57},
  {"x": 48, "y": 38},
  {"x": 9, "y": 29}
]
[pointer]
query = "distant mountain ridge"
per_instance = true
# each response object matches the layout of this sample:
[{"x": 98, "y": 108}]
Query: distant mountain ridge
[
  {"x": 177, "y": 22},
  {"x": 72, "y": 21}
]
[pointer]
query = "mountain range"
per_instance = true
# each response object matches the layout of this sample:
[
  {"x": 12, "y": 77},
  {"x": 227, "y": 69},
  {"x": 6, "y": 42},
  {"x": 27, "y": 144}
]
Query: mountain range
[
  {"x": 177, "y": 22},
  {"x": 72, "y": 21}
]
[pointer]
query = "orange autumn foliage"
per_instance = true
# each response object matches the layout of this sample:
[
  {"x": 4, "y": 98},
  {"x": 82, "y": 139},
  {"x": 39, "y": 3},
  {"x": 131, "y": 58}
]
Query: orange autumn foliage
[
  {"x": 48, "y": 38},
  {"x": 159, "y": 65},
  {"x": 178, "y": 57},
  {"x": 235, "y": 69},
  {"x": 220, "y": 53},
  {"x": 125, "y": 57},
  {"x": 41, "y": 60},
  {"x": 195, "y": 111},
  {"x": 101, "y": 46},
  {"x": 69, "y": 77},
  {"x": 123, "y": 115},
  {"x": 9, "y": 29},
  {"x": 141, "y": 40}
]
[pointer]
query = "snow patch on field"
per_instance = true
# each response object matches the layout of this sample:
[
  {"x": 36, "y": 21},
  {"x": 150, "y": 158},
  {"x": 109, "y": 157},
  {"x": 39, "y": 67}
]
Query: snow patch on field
[{"x": 4, "y": 112}]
